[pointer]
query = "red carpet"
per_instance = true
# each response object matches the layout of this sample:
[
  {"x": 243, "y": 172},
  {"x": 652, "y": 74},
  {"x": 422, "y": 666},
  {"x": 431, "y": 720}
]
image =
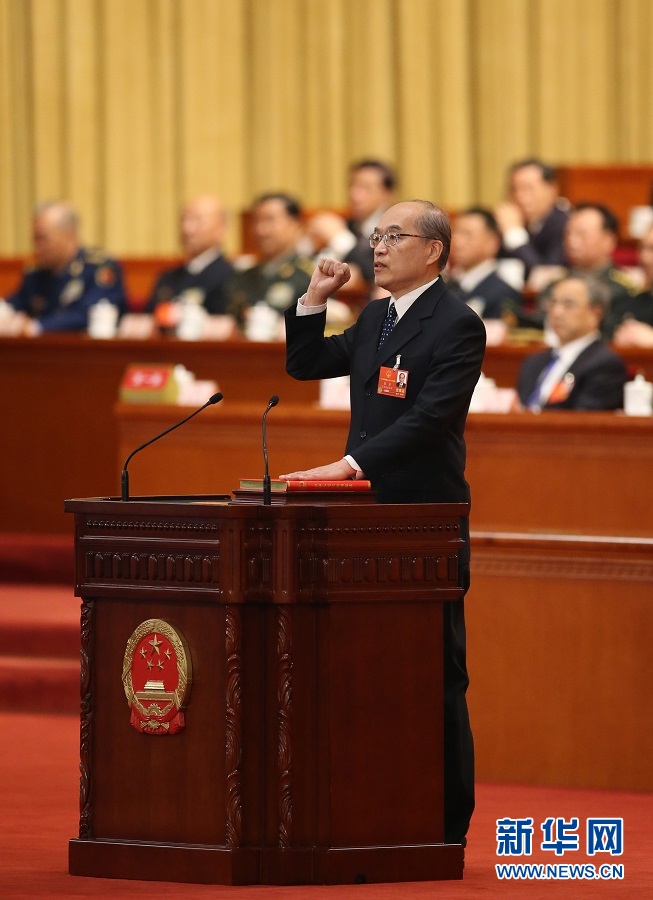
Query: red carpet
[
  {"x": 37, "y": 559},
  {"x": 38, "y": 771},
  {"x": 39, "y": 675},
  {"x": 39, "y": 653}
]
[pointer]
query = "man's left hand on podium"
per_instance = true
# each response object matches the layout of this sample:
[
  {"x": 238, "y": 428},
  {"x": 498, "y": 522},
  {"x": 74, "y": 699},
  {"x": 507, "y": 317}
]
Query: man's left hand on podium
[{"x": 337, "y": 471}]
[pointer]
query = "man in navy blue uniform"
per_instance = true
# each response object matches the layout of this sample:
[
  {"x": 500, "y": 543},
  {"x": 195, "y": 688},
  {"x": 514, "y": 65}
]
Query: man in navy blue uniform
[
  {"x": 409, "y": 443},
  {"x": 57, "y": 293},
  {"x": 205, "y": 272}
]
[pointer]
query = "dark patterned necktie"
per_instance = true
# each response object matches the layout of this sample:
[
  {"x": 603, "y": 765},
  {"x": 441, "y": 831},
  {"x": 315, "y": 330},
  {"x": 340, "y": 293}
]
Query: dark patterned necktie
[
  {"x": 388, "y": 324},
  {"x": 534, "y": 398}
]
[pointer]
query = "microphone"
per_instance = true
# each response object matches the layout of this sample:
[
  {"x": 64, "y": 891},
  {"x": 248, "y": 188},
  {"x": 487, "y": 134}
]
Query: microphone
[
  {"x": 124, "y": 477},
  {"x": 267, "y": 492}
]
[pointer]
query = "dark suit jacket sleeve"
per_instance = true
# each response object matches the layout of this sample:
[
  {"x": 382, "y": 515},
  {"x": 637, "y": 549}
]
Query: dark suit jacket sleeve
[
  {"x": 309, "y": 355},
  {"x": 546, "y": 246},
  {"x": 20, "y": 298},
  {"x": 603, "y": 387}
]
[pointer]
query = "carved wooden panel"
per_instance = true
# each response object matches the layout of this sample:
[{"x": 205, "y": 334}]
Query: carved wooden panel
[
  {"x": 86, "y": 720},
  {"x": 234, "y": 726}
]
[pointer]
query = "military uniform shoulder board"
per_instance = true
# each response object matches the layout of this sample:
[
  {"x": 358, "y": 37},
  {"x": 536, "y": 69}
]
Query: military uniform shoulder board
[
  {"x": 623, "y": 279},
  {"x": 95, "y": 256},
  {"x": 306, "y": 265},
  {"x": 106, "y": 276}
]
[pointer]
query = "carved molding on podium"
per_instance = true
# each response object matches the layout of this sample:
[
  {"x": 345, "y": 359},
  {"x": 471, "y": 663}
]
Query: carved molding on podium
[
  {"x": 86, "y": 719},
  {"x": 284, "y": 721},
  {"x": 114, "y": 525},
  {"x": 177, "y": 568},
  {"x": 234, "y": 726},
  {"x": 382, "y": 569}
]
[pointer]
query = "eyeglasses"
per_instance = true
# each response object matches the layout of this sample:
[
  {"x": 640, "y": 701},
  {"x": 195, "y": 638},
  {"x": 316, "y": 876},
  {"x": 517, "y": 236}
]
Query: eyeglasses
[
  {"x": 565, "y": 303},
  {"x": 391, "y": 238}
]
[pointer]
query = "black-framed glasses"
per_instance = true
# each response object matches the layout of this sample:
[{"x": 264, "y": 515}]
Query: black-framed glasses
[{"x": 391, "y": 238}]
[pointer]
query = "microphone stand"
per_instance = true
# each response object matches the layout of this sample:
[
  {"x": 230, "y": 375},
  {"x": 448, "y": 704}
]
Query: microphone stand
[
  {"x": 267, "y": 489},
  {"x": 124, "y": 476}
]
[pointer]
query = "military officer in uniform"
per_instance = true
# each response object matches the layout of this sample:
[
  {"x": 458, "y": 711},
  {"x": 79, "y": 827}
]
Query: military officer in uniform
[
  {"x": 591, "y": 237},
  {"x": 282, "y": 275},
  {"x": 205, "y": 271},
  {"x": 57, "y": 293}
]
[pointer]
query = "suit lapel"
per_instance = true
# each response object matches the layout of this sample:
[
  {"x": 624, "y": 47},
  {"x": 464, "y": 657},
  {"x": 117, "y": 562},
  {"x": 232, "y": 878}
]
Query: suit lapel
[
  {"x": 561, "y": 391},
  {"x": 407, "y": 327}
]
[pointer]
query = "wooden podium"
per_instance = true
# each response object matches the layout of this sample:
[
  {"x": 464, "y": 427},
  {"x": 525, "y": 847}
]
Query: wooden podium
[{"x": 312, "y": 750}]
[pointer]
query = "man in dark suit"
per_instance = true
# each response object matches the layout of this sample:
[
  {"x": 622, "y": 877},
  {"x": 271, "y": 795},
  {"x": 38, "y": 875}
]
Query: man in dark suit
[
  {"x": 582, "y": 372},
  {"x": 409, "y": 444},
  {"x": 533, "y": 219},
  {"x": 475, "y": 244}
]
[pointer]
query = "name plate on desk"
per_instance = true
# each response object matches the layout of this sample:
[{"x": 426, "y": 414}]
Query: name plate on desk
[{"x": 143, "y": 383}]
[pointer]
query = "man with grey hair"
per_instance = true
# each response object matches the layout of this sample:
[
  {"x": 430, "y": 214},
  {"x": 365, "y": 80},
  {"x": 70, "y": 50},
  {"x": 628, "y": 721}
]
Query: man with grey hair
[
  {"x": 581, "y": 372},
  {"x": 407, "y": 438},
  {"x": 57, "y": 293}
]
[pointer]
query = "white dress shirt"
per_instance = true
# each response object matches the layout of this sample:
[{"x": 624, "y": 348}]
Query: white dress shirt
[{"x": 566, "y": 357}]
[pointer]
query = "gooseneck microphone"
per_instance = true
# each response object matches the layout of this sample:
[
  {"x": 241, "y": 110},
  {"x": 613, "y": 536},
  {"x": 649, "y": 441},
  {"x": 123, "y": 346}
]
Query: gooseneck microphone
[
  {"x": 267, "y": 492},
  {"x": 124, "y": 477}
]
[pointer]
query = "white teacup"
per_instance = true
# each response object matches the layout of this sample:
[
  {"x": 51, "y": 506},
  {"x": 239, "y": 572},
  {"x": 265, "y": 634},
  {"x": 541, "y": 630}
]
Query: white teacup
[
  {"x": 192, "y": 322},
  {"x": 102, "y": 320}
]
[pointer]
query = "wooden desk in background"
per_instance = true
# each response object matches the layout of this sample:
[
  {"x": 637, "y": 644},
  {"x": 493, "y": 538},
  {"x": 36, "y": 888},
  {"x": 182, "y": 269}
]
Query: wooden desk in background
[
  {"x": 60, "y": 438},
  {"x": 590, "y": 473},
  {"x": 59, "y": 435},
  {"x": 559, "y": 620}
]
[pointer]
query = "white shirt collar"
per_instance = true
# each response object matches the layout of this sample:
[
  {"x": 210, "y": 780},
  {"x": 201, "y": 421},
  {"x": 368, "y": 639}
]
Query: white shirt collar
[
  {"x": 569, "y": 353},
  {"x": 403, "y": 304},
  {"x": 473, "y": 277},
  {"x": 565, "y": 357},
  {"x": 198, "y": 263},
  {"x": 368, "y": 225}
]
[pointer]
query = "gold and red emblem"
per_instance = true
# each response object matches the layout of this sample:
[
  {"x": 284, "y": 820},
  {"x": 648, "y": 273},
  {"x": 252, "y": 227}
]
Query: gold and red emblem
[{"x": 157, "y": 676}]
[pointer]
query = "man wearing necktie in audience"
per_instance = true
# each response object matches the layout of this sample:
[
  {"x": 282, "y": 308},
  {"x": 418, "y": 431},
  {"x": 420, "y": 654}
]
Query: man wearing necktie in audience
[
  {"x": 406, "y": 438},
  {"x": 581, "y": 372}
]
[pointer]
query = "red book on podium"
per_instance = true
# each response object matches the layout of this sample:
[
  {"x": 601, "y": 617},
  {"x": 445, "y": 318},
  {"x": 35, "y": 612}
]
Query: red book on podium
[{"x": 305, "y": 491}]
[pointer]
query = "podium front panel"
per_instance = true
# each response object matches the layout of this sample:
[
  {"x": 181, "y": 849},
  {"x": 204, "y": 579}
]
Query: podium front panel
[{"x": 313, "y": 734}]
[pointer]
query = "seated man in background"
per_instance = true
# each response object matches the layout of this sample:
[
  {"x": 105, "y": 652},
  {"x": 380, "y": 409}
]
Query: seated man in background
[
  {"x": 281, "y": 276},
  {"x": 475, "y": 243},
  {"x": 202, "y": 277},
  {"x": 328, "y": 235},
  {"x": 371, "y": 190},
  {"x": 67, "y": 280},
  {"x": 582, "y": 372},
  {"x": 532, "y": 221},
  {"x": 636, "y": 328},
  {"x": 591, "y": 237}
]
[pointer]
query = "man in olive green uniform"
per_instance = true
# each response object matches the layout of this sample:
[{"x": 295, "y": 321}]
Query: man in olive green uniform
[
  {"x": 591, "y": 237},
  {"x": 281, "y": 276}
]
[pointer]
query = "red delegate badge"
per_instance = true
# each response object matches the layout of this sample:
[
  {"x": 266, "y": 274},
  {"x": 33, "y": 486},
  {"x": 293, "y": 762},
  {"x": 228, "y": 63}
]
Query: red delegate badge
[{"x": 393, "y": 382}]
